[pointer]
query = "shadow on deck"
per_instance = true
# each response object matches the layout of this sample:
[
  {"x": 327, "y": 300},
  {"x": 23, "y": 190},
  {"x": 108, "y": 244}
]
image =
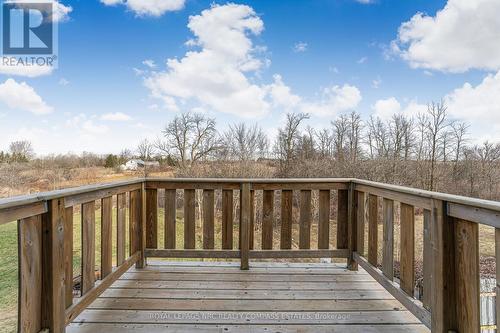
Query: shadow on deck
[{"x": 270, "y": 297}]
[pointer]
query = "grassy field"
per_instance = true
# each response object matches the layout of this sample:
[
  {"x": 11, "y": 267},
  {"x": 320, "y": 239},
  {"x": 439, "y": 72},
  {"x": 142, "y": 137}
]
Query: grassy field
[{"x": 9, "y": 263}]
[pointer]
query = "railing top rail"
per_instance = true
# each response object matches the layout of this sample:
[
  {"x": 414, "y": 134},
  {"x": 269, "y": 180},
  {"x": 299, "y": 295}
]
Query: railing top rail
[
  {"x": 473, "y": 202},
  {"x": 44, "y": 196}
]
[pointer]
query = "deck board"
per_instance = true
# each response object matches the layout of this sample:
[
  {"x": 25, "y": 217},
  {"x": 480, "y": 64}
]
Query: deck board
[{"x": 271, "y": 297}]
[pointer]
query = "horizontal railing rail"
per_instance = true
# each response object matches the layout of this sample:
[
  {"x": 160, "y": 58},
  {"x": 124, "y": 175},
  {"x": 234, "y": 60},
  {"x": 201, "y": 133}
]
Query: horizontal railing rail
[{"x": 216, "y": 218}]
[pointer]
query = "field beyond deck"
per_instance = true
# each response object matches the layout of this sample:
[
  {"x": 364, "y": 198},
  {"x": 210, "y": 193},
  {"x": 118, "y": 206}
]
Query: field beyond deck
[{"x": 270, "y": 297}]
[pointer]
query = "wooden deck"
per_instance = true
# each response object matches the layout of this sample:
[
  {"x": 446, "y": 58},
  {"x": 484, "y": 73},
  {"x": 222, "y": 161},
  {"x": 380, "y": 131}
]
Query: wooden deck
[{"x": 270, "y": 297}]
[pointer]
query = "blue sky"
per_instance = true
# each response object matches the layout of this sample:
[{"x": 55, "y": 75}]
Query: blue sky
[{"x": 252, "y": 61}]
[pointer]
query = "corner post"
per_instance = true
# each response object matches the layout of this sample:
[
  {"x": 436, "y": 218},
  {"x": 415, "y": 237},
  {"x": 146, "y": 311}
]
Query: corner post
[
  {"x": 53, "y": 276},
  {"x": 443, "y": 284},
  {"x": 245, "y": 211},
  {"x": 352, "y": 227}
]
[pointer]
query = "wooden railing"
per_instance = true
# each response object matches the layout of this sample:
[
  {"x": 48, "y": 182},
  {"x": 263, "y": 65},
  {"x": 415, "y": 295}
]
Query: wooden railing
[{"x": 450, "y": 239}]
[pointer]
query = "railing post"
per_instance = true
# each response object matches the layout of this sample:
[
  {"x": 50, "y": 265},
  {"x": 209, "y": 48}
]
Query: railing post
[
  {"x": 443, "y": 286},
  {"x": 245, "y": 211},
  {"x": 351, "y": 227},
  {"x": 53, "y": 293},
  {"x": 141, "y": 263}
]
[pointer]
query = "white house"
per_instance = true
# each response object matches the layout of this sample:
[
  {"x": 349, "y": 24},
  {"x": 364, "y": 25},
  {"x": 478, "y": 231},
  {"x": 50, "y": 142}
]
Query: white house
[{"x": 137, "y": 164}]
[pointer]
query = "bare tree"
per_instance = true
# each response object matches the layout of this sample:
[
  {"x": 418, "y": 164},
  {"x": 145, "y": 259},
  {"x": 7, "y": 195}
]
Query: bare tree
[
  {"x": 244, "y": 142},
  {"x": 21, "y": 151},
  {"x": 287, "y": 140},
  {"x": 145, "y": 150},
  {"x": 436, "y": 129},
  {"x": 190, "y": 137}
]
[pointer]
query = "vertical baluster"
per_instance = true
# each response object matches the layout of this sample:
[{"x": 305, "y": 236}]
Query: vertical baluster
[
  {"x": 227, "y": 219},
  {"x": 407, "y": 260},
  {"x": 189, "y": 219},
  {"x": 68, "y": 256},
  {"x": 388, "y": 239},
  {"x": 286, "y": 219},
  {"x": 252, "y": 219},
  {"x": 342, "y": 219},
  {"x": 106, "y": 236},
  {"x": 267, "y": 219},
  {"x": 170, "y": 220},
  {"x": 360, "y": 222},
  {"x": 245, "y": 211},
  {"x": 467, "y": 275},
  {"x": 427, "y": 256},
  {"x": 324, "y": 219},
  {"x": 352, "y": 228},
  {"x": 121, "y": 214},
  {"x": 208, "y": 219},
  {"x": 88, "y": 246},
  {"x": 305, "y": 220},
  {"x": 151, "y": 218},
  {"x": 372, "y": 229},
  {"x": 135, "y": 216}
]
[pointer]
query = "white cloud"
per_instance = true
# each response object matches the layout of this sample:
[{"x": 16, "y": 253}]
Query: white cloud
[
  {"x": 335, "y": 100},
  {"x": 85, "y": 125},
  {"x": 281, "y": 94},
  {"x": 333, "y": 69},
  {"x": 117, "y": 116},
  {"x": 300, "y": 47},
  {"x": 386, "y": 108},
  {"x": 21, "y": 96},
  {"x": 150, "y": 63},
  {"x": 479, "y": 106},
  {"x": 365, "y": 2},
  {"x": 464, "y": 35},
  {"x": 376, "y": 83},
  {"x": 154, "y": 8},
  {"x": 27, "y": 71},
  {"x": 216, "y": 76}
]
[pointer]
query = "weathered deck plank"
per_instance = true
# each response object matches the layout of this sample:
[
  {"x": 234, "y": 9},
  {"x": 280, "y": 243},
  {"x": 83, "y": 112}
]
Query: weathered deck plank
[{"x": 213, "y": 297}]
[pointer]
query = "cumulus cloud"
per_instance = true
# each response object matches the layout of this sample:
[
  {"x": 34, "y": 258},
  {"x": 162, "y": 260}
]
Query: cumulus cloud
[
  {"x": 335, "y": 100},
  {"x": 387, "y": 108},
  {"x": 215, "y": 76},
  {"x": 21, "y": 96},
  {"x": 478, "y": 105},
  {"x": 117, "y": 116},
  {"x": 221, "y": 72},
  {"x": 86, "y": 125},
  {"x": 27, "y": 71},
  {"x": 463, "y": 35},
  {"x": 154, "y": 8}
]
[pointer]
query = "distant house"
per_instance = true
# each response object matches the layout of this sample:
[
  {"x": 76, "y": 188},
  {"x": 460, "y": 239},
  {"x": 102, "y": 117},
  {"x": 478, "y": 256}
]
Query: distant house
[{"x": 136, "y": 164}]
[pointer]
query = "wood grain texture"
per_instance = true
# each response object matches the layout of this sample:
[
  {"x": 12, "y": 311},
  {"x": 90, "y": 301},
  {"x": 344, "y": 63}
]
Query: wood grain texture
[
  {"x": 427, "y": 258},
  {"x": 407, "y": 241},
  {"x": 88, "y": 246},
  {"x": 388, "y": 239},
  {"x": 151, "y": 219},
  {"x": 245, "y": 212},
  {"x": 443, "y": 298},
  {"x": 305, "y": 220},
  {"x": 53, "y": 276},
  {"x": 286, "y": 219},
  {"x": 227, "y": 219},
  {"x": 170, "y": 220},
  {"x": 372, "y": 229},
  {"x": 467, "y": 275},
  {"x": 360, "y": 222},
  {"x": 30, "y": 274},
  {"x": 189, "y": 219},
  {"x": 352, "y": 228},
  {"x": 324, "y": 219},
  {"x": 208, "y": 219},
  {"x": 267, "y": 219},
  {"x": 135, "y": 216},
  {"x": 252, "y": 219},
  {"x": 106, "y": 236},
  {"x": 342, "y": 218},
  {"x": 68, "y": 256},
  {"x": 121, "y": 215}
]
